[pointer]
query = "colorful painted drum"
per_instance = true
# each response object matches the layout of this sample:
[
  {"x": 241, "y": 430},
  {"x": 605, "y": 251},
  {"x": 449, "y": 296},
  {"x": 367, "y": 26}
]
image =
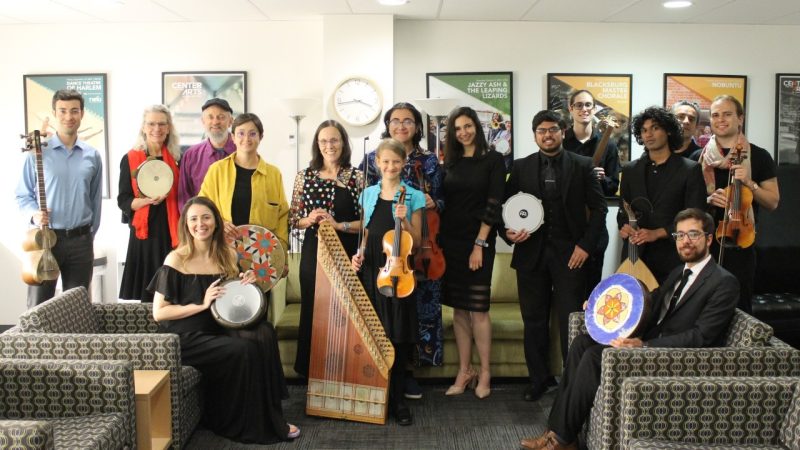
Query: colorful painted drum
[
  {"x": 260, "y": 250},
  {"x": 617, "y": 307}
]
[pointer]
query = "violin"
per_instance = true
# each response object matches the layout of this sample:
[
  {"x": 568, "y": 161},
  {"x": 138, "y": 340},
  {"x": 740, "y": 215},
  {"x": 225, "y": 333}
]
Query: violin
[
  {"x": 736, "y": 230},
  {"x": 396, "y": 278},
  {"x": 429, "y": 259}
]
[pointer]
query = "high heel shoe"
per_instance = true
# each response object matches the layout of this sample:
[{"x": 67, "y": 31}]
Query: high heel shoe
[
  {"x": 481, "y": 391},
  {"x": 470, "y": 381}
]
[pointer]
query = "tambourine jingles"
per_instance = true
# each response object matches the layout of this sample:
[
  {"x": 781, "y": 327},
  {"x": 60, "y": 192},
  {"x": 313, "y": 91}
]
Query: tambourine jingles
[
  {"x": 617, "y": 307},
  {"x": 523, "y": 212},
  {"x": 154, "y": 178},
  {"x": 242, "y": 305},
  {"x": 260, "y": 250}
]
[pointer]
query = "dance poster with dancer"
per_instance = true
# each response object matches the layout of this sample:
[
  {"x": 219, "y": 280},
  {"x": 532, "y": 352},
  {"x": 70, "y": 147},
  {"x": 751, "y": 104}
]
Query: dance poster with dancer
[
  {"x": 612, "y": 95},
  {"x": 490, "y": 94},
  {"x": 39, "y": 90}
]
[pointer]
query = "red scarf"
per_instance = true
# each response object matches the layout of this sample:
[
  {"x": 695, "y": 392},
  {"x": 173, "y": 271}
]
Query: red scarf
[{"x": 140, "y": 216}]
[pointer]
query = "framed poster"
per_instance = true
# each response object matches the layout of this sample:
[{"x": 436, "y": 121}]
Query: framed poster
[
  {"x": 612, "y": 95},
  {"x": 490, "y": 94},
  {"x": 39, "y": 90},
  {"x": 787, "y": 118},
  {"x": 702, "y": 89},
  {"x": 184, "y": 93}
]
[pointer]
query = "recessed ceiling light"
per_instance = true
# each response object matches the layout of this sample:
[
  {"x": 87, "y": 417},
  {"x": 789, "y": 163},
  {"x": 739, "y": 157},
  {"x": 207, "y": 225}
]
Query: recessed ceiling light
[
  {"x": 393, "y": 2},
  {"x": 677, "y": 4}
]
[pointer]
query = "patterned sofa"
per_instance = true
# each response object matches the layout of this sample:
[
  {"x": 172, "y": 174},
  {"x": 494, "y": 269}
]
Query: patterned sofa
[
  {"x": 711, "y": 413},
  {"x": 749, "y": 349},
  {"x": 69, "y": 326},
  {"x": 66, "y": 404}
]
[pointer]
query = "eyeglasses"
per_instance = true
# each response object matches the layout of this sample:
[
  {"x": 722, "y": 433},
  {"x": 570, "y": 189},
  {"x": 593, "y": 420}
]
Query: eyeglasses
[
  {"x": 692, "y": 235},
  {"x": 408, "y": 123},
  {"x": 581, "y": 105},
  {"x": 333, "y": 142},
  {"x": 156, "y": 124},
  {"x": 251, "y": 134},
  {"x": 551, "y": 130}
]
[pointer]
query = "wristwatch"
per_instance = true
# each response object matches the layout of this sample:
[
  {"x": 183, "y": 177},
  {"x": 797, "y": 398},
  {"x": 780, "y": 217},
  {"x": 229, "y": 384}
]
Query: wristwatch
[
  {"x": 481, "y": 243},
  {"x": 755, "y": 187},
  {"x": 346, "y": 226}
]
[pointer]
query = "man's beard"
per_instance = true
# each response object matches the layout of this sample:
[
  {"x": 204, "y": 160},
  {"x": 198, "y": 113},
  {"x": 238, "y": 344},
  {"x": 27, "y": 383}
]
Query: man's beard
[{"x": 218, "y": 136}]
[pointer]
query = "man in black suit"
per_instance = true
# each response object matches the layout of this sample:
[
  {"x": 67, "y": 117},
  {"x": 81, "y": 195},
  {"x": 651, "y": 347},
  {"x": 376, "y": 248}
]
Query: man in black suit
[
  {"x": 692, "y": 308},
  {"x": 657, "y": 186},
  {"x": 550, "y": 262}
]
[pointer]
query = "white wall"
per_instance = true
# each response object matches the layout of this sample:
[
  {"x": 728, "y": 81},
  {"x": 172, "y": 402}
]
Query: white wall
[{"x": 308, "y": 58}]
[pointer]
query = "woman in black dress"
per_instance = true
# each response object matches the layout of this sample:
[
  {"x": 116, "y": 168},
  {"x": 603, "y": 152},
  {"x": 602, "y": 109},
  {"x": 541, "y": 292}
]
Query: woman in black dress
[
  {"x": 474, "y": 184},
  {"x": 327, "y": 190},
  {"x": 398, "y": 315},
  {"x": 242, "y": 377},
  {"x": 153, "y": 221}
]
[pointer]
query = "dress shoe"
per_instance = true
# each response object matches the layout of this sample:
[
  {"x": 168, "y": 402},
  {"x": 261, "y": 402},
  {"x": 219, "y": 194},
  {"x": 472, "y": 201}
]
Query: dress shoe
[
  {"x": 553, "y": 444},
  {"x": 412, "y": 389},
  {"x": 534, "y": 393},
  {"x": 483, "y": 388},
  {"x": 294, "y": 432},
  {"x": 537, "y": 442},
  {"x": 403, "y": 416},
  {"x": 468, "y": 379}
]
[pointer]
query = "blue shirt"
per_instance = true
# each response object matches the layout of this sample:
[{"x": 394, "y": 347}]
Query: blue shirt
[
  {"x": 431, "y": 170},
  {"x": 414, "y": 200},
  {"x": 72, "y": 181}
]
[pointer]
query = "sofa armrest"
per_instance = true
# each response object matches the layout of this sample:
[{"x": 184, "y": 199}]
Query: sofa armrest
[
  {"x": 693, "y": 410},
  {"x": 27, "y": 434},
  {"x": 577, "y": 326},
  {"x": 125, "y": 318}
]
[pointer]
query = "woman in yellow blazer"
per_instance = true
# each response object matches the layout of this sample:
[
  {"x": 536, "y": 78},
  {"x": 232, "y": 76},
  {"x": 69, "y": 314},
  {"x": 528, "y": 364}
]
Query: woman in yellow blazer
[{"x": 244, "y": 187}]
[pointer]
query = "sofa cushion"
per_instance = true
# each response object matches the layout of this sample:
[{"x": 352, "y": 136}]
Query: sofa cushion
[
  {"x": 652, "y": 444},
  {"x": 747, "y": 331},
  {"x": 790, "y": 429},
  {"x": 98, "y": 431},
  {"x": 288, "y": 324},
  {"x": 26, "y": 434},
  {"x": 72, "y": 313}
]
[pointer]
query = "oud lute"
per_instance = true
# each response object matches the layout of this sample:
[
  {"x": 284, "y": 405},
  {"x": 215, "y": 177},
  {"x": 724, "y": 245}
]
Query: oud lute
[{"x": 633, "y": 265}]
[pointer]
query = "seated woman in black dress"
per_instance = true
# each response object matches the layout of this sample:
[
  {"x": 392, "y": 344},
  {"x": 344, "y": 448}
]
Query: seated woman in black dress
[{"x": 242, "y": 376}]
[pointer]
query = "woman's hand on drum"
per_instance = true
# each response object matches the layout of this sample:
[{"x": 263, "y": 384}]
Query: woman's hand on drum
[
  {"x": 231, "y": 233},
  {"x": 158, "y": 200},
  {"x": 517, "y": 236},
  {"x": 357, "y": 260},
  {"x": 213, "y": 292},
  {"x": 621, "y": 342},
  {"x": 248, "y": 277},
  {"x": 579, "y": 256}
]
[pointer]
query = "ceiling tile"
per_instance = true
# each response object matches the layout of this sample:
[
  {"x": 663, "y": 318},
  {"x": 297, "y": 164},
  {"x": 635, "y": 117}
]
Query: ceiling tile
[
  {"x": 414, "y": 10},
  {"x": 750, "y": 12},
  {"x": 574, "y": 10},
  {"x": 485, "y": 10},
  {"x": 300, "y": 9},
  {"x": 43, "y": 11},
  {"x": 653, "y": 11},
  {"x": 202, "y": 11}
]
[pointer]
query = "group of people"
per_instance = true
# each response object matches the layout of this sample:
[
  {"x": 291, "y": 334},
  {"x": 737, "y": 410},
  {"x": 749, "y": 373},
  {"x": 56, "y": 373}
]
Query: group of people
[{"x": 177, "y": 252}]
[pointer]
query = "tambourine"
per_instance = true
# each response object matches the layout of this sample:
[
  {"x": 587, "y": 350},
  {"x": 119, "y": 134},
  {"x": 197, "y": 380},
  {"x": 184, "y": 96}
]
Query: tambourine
[
  {"x": 154, "y": 178},
  {"x": 523, "y": 212},
  {"x": 617, "y": 307},
  {"x": 260, "y": 250},
  {"x": 242, "y": 305}
]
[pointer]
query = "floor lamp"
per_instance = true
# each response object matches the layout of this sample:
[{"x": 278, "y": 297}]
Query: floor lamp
[
  {"x": 297, "y": 108},
  {"x": 436, "y": 108}
]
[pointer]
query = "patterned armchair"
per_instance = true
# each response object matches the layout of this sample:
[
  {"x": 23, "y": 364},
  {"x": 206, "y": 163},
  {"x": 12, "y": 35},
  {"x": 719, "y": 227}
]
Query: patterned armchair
[
  {"x": 749, "y": 349},
  {"x": 711, "y": 413},
  {"x": 49, "y": 404},
  {"x": 69, "y": 326}
]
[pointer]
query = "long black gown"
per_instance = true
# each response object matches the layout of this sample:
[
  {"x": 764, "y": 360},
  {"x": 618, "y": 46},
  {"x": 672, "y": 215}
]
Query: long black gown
[
  {"x": 344, "y": 211},
  {"x": 243, "y": 382}
]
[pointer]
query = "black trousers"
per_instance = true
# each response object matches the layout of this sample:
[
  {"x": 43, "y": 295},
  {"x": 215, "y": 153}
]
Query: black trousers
[
  {"x": 75, "y": 256},
  {"x": 742, "y": 263},
  {"x": 577, "y": 389},
  {"x": 551, "y": 282}
]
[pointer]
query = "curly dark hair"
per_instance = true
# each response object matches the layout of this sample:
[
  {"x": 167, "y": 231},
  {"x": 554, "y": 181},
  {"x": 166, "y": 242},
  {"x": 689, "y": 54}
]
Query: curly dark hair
[
  {"x": 418, "y": 131},
  {"x": 453, "y": 150},
  {"x": 665, "y": 120}
]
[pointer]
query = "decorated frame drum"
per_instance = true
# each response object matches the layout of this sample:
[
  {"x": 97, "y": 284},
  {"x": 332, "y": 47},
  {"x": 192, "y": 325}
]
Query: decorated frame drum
[
  {"x": 617, "y": 307},
  {"x": 154, "y": 178},
  {"x": 260, "y": 250},
  {"x": 523, "y": 212},
  {"x": 242, "y": 305}
]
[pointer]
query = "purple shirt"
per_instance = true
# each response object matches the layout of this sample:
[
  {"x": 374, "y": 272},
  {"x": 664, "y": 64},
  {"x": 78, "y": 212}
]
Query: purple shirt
[{"x": 194, "y": 165}]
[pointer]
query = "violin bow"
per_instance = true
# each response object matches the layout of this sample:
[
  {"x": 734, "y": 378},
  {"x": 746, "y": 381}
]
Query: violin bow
[{"x": 363, "y": 188}]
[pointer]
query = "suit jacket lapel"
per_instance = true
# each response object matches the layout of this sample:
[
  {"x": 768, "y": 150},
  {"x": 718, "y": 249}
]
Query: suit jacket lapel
[
  {"x": 535, "y": 179},
  {"x": 566, "y": 174},
  {"x": 668, "y": 286},
  {"x": 696, "y": 284}
]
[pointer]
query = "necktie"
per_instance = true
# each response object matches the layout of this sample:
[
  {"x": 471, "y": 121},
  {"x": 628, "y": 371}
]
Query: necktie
[
  {"x": 677, "y": 295},
  {"x": 549, "y": 177}
]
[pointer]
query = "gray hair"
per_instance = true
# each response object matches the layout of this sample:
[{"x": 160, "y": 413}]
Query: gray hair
[
  {"x": 172, "y": 143},
  {"x": 692, "y": 105}
]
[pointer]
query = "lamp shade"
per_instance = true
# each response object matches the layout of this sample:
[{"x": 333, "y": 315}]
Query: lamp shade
[
  {"x": 298, "y": 106},
  {"x": 436, "y": 106}
]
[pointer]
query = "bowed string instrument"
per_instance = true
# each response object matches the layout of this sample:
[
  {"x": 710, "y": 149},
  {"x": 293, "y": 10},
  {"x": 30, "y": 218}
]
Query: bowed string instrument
[
  {"x": 396, "y": 278},
  {"x": 429, "y": 259},
  {"x": 736, "y": 229}
]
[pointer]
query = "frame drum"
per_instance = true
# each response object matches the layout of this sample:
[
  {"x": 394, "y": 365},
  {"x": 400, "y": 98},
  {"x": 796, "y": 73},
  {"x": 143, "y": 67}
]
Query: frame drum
[
  {"x": 260, "y": 250},
  {"x": 617, "y": 307},
  {"x": 523, "y": 212},
  {"x": 241, "y": 306},
  {"x": 154, "y": 178}
]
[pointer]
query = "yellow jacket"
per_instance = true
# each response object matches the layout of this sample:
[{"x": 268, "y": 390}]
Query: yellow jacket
[{"x": 268, "y": 207}]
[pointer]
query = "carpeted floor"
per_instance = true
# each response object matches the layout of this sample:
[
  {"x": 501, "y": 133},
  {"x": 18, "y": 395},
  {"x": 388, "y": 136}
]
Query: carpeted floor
[{"x": 440, "y": 422}]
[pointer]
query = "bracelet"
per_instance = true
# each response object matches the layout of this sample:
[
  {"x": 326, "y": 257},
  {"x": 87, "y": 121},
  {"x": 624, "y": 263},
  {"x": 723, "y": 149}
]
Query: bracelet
[
  {"x": 346, "y": 226},
  {"x": 755, "y": 187}
]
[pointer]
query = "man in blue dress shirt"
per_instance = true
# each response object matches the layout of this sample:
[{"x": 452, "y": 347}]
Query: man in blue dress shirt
[{"x": 73, "y": 174}]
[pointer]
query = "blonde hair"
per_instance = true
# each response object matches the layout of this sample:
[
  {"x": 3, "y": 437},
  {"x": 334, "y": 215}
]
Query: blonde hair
[
  {"x": 172, "y": 142},
  {"x": 392, "y": 145}
]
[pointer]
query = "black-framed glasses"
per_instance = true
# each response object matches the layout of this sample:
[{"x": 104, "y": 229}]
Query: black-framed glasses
[
  {"x": 408, "y": 123},
  {"x": 693, "y": 235},
  {"x": 551, "y": 130},
  {"x": 581, "y": 105}
]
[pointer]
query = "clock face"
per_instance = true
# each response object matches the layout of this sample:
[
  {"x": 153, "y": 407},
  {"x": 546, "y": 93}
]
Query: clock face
[{"x": 357, "y": 101}]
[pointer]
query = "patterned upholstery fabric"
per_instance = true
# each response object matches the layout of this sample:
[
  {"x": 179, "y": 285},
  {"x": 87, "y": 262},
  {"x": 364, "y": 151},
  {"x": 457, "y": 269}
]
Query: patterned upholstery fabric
[
  {"x": 26, "y": 435},
  {"x": 144, "y": 348},
  {"x": 649, "y": 444},
  {"x": 72, "y": 313},
  {"x": 771, "y": 357},
  {"x": 735, "y": 412},
  {"x": 790, "y": 429},
  {"x": 88, "y": 404}
]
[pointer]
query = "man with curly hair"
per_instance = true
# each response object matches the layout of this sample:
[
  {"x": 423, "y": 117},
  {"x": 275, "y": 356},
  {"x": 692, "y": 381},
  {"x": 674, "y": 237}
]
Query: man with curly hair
[{"x": 657, "y": 186}]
